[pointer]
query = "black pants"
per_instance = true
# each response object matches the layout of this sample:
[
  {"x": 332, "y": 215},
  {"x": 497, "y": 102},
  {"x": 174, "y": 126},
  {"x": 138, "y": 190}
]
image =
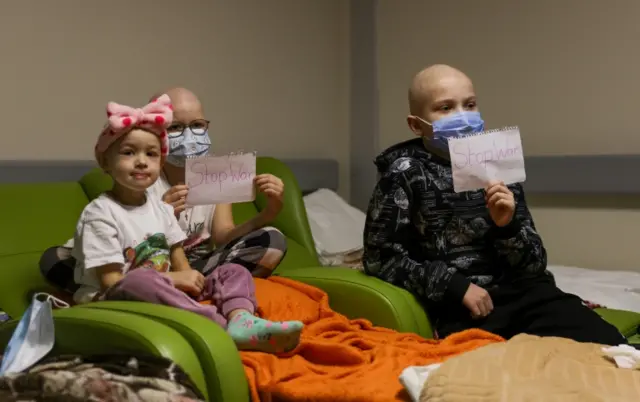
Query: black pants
[{"x": 535, "y": 307}]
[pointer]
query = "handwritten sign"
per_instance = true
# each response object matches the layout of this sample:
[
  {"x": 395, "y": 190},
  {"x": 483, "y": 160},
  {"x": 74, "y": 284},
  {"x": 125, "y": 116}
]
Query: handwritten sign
[
  {"x": 221, "y": 179},
  {"x": 491, "y": 155}
]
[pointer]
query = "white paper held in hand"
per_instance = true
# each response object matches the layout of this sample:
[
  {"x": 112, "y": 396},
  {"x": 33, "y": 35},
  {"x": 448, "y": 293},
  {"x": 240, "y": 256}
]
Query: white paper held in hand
[
  {"x": 491, "y": 155},
  {"x": 221, "y": 179}
]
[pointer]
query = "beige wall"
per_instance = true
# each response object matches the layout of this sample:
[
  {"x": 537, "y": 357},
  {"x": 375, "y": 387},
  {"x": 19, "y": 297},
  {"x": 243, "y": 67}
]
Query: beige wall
[
  {"x": 565, "y": 71},
  {"x": 273, "y": 75}
]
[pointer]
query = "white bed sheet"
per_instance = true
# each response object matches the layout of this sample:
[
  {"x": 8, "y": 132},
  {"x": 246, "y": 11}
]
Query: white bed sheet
[{"x": 612, "y": 289}]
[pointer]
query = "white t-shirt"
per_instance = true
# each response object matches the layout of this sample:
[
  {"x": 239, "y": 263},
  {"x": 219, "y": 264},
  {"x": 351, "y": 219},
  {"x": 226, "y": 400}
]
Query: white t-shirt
[
  {"x": 194, "y": 221},
  {"x": 112, "y": 233}
]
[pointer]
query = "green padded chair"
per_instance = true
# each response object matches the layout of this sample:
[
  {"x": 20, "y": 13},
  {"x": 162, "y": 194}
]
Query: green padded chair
[{"x": 44, "y": 214}]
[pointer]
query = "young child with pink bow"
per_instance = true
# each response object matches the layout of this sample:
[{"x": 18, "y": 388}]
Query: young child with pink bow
[{"x": 128, "y": 246}]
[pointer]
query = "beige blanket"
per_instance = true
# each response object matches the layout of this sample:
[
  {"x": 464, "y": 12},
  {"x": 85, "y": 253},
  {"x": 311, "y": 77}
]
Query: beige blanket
[{"x": 533, "y": 369}]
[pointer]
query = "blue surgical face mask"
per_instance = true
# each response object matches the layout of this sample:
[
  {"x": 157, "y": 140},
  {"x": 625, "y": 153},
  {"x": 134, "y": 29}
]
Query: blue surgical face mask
[
  {"x": 33, "y": 337},
  {"x": 454, "y": 125},
  {"x": 187, "y": 143}
]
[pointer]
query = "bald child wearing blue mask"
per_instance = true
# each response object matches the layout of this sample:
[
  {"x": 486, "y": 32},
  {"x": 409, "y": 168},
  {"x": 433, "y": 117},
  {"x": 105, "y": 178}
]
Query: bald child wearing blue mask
[
  {"x": 474, "y": 258},
  {"x": 213, "y": 238}
]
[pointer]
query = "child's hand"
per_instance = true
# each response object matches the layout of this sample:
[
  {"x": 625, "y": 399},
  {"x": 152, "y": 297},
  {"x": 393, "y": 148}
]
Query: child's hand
[
  {"x": 500, "y": 202},
  {"x": 478, "y": 301},
  {"x": 273, "y": 188},
  {"x": 176, "y": 196},
  {"x": 189, "y": 281}
]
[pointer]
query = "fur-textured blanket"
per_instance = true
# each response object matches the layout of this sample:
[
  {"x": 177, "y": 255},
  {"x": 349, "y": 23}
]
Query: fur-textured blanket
[
  {"x": 533, "y": 369},
  {"x": 100, "y": 378}
]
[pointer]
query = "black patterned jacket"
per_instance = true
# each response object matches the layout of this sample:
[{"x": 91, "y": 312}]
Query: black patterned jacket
[{"x": 422, "y": 236}]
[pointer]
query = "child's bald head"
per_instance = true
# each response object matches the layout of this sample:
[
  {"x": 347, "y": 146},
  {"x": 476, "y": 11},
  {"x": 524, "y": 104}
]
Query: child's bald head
[
  {"x": 437, "y": 91},
  {"x": 186, "y": 105}
]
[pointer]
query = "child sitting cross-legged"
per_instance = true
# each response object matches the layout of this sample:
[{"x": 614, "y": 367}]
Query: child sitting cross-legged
[{"x": 128, "y": 245}]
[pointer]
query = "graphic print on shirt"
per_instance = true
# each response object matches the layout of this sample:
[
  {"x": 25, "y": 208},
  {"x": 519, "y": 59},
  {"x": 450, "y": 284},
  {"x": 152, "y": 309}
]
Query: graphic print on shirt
[
  {"x": 197, "y": 244},
  {"x": 195, "y": 235},
  {"x": 152, "y": 253}
]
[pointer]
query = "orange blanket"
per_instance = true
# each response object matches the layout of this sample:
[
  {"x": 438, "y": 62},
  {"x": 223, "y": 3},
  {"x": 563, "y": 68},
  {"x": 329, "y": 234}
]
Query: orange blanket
[{"x": 339, "y": 359}]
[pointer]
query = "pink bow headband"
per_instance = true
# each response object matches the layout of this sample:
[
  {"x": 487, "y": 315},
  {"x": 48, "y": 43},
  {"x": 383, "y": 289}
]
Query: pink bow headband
[{"x": 155, "y": 117}]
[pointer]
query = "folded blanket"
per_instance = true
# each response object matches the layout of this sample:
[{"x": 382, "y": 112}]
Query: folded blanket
[
  {"x": 100, "y": 378},
  {"x": 339, "y": 359},
  {"x": 530, "y": 368}
]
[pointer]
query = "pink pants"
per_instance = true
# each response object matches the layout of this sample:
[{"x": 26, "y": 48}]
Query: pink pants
[{"x": 229, "y": 287}]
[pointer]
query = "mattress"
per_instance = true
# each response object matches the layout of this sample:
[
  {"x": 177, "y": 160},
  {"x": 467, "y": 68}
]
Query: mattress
[{"x": 612, "y": 289}]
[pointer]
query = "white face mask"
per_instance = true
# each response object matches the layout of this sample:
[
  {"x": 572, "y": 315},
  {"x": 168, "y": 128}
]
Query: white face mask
[{"x": 33, "y": 337}]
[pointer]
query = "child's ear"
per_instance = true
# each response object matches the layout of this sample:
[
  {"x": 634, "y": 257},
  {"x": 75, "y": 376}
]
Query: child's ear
[
  {"x": 416, "y": 126},
  {"x": 102, "y": 162}
]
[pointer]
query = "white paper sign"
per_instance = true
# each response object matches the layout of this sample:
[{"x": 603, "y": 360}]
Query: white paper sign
[
  {"x": 221, "y": 179},
  {"x": 491, "y": 155}
]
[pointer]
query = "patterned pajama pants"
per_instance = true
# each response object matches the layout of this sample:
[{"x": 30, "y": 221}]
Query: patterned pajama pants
[{"x": 259, "y": 251}]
